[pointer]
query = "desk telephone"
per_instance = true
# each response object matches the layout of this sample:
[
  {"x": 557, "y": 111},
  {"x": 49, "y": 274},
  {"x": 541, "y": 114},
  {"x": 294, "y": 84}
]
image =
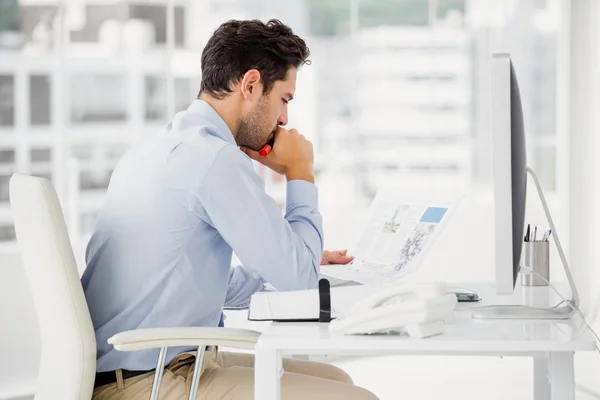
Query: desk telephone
[{"x": 414, "y": 309}]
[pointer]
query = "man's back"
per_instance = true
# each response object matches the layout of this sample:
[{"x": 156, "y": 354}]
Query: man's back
[
  {"x": 147, "y": 255},
  {"x": 161, "y": 250}
]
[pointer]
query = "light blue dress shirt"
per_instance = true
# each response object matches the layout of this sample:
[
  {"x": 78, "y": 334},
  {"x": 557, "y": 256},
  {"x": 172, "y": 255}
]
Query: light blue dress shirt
[{"x": 177, "y": 206}]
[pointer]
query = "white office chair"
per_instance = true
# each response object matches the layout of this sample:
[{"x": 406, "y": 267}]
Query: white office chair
[{"x": 68, "y": 362}]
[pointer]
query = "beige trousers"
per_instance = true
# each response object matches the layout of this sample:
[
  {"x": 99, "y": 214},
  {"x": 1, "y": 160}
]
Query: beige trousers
[{"x": 229, "y": 376}]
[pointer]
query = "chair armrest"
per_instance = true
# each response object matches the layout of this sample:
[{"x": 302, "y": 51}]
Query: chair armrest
[{"x": 144, "y": 339}]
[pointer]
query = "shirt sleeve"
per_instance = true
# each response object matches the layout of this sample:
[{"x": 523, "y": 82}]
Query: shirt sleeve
[
  {"x": 284, "y": 251},
  {"x": 241, "y": 286}
]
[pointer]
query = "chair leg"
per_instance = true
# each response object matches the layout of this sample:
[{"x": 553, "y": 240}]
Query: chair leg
[
  {"x": 160, "y": 368},
  {"x": 197, "y": 371}
]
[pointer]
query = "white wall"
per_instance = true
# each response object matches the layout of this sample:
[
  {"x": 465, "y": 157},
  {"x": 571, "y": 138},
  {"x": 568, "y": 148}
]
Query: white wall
[{"x": 585, "y": 173}]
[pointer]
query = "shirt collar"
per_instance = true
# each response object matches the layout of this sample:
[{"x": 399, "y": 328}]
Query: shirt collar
[{"x": 205, "y": 110}]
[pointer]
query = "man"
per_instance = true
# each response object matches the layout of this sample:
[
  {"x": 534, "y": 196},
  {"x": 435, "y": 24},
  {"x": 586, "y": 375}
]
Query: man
[{"x": 179, "y": 203}]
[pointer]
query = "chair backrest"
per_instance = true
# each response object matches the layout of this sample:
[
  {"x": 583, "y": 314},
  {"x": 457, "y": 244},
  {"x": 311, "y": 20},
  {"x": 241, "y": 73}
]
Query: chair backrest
[{"x": 68, "y": 363}]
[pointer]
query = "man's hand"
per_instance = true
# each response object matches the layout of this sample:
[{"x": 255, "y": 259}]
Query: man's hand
[
  {"x": 292, "y": 155},
  {"x": 336, "y": 257}
]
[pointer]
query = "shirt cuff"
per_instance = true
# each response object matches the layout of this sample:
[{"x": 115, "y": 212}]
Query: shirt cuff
[{"x": 302, "y": 192}]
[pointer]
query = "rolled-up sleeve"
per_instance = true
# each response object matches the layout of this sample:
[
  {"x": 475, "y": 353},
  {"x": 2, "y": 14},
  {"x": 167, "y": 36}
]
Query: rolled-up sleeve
[{"x": 284, "y": 251}]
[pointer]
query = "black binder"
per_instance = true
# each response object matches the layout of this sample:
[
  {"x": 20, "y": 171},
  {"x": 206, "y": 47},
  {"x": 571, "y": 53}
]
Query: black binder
[
  {"x": 324, "y": 306},
  {"x": 324, "y": 300}
]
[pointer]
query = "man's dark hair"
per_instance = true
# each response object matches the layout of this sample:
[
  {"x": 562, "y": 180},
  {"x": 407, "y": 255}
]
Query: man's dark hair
[{"x": 239, "y": 46}]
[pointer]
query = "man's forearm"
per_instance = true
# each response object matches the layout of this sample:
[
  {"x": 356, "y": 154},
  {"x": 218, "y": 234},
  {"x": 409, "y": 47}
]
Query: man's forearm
[
  {"x": 303, "y": 215},
  {"x": 241, "y": 286}
]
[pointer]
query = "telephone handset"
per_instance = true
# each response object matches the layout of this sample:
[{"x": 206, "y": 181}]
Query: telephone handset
[
  {"x": 416, "y": 309},
  {"x": 404, "y": 291}
]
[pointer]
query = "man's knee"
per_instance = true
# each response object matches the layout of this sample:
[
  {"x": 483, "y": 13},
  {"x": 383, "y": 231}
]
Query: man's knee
[
  {"x": 350, "y": 392},
  {"x": 337, "y": 374},
  {"x": 364, "y": 394}
]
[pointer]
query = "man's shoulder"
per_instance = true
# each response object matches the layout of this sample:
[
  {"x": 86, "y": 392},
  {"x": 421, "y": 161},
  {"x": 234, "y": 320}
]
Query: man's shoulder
[
  {"x": 192, "y": 146},
  {"x": 230, "y": 162},
  {"x": 206, "y": 149}
]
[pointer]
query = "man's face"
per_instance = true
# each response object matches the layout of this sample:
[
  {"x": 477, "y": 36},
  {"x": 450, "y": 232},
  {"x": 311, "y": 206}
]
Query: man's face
[{"x": 259, "y": 124}]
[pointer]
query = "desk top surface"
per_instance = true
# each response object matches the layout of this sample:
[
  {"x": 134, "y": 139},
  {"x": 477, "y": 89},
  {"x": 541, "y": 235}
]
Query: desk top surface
[{"x": 463, "y": 334}]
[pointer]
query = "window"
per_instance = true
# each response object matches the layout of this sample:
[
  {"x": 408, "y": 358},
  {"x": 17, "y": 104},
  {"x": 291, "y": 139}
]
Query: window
[
  {"x": 9, "y": 16},
  {"x": 87, "y": 222},
  {"x": 545, "y": 162},
  {"x": 447, "y": 9},
  {"x": 82, "y": 152},
  {"x": 7, "y": 156},
  {"x": 393, "y": 13},
  {"x": 7, "y": 233},
  {"x": 39, "y": 99},
  {"x": 95, "y": 180},
  {"x": 98, "y": 17},
  {"x": 156, "y": 98},
  {"x": 95, "y": 18},
  {"x": 405, "y": 81},
  {"x": 4, "y": 193},
  {"x": 412, "y": 84},
  {"x": 7, "y": 100},
  {"x": 26, "y": 26},
  {"x": 37, "y": 25},
  {"x": 41, "y": 155},
  {"x": 185, "y": 91},
  {"x": 47, "y": 176},
  {"x": 329, "y": 18},
  {"x": 98, "y": 98},
  {"x": 157, "y": 16},
  {"x": 116, "y": 151}
]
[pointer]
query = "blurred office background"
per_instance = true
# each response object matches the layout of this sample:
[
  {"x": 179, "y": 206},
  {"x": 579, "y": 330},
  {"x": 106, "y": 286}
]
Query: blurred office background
[{"x": 398, "y": 93}]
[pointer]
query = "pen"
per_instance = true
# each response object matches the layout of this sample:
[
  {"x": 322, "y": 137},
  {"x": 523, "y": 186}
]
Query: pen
[
  {"x": 527, "y": 234},
  {"x": 535, "y": 234},
  {"x": 266, "y": 149}
]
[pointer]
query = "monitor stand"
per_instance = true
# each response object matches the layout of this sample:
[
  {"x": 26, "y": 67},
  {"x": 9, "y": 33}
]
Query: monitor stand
[
  {"x": 523, "y": 312},
  {"x": 527, "y": 312}
]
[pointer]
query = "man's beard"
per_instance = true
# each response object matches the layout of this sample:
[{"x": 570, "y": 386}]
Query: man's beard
[{"x": 251, "y": 131}]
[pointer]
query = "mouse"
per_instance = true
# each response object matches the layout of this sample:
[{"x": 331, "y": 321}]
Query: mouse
[{"x": 465, "y": 295}]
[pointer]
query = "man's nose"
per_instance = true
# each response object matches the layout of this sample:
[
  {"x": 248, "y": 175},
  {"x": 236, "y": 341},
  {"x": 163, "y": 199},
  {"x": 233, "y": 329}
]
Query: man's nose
[{"x": 282, "y": 120}]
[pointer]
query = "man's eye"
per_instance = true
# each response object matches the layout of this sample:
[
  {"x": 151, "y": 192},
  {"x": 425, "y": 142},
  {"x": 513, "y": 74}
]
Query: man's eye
[{"x": 285, "y": 101}]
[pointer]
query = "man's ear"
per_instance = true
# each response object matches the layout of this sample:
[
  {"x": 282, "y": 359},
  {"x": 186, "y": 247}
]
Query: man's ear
[{"x": 251, "y": 86}]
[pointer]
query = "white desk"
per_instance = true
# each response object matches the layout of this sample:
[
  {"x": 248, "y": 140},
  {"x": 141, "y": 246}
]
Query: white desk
[{"x": 552, "y": 344}]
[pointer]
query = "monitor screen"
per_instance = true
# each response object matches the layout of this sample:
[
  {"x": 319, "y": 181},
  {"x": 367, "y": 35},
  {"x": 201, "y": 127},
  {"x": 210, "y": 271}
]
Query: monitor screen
[{"x": 518, "y": 171}]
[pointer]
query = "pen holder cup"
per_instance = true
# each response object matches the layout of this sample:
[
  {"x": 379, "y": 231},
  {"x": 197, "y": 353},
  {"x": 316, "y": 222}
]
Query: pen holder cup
[{"x": 536, "y": 255}]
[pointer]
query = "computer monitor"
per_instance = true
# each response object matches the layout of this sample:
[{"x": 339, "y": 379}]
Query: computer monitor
[{"x": 509, "y": 172}]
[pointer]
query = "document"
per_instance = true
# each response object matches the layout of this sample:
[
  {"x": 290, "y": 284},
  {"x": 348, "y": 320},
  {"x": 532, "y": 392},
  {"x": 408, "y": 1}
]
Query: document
[{"x": 401, "y": 228}]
